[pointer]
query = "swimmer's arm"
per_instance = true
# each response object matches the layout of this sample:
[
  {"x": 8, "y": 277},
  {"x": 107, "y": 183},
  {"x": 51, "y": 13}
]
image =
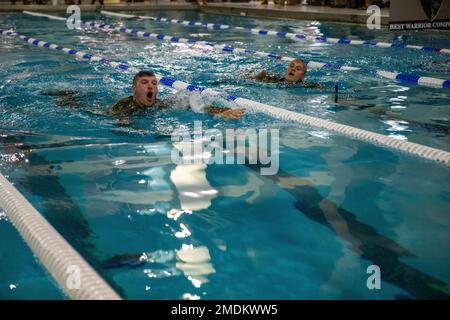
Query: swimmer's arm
[
  {"x": 59, "y": 93},
  {"x": 116, "y": 111},
  {"x": 249, "y": 74},
  {"x": 261, "y": 76},
  {"x": 65, "y": 98},
  {"x": 264, "y": 76},
  {"x": 226, "y": 113}
]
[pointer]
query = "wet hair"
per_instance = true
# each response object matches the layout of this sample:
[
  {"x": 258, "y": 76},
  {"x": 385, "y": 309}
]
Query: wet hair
[
  {"x": 299, "y": 60},
  {"x": 141, "y": 74}
]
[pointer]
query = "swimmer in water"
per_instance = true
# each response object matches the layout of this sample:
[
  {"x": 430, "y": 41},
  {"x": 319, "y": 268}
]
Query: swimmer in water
[
  {"x": 145, "y": 91},
  {"x": 295, "y": 74}
]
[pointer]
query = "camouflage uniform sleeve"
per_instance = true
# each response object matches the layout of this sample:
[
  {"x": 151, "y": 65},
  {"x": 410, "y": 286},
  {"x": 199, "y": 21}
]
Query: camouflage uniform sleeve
[
  {"x": 261, "y": 76},
  {"x": 122, "y": 107}
]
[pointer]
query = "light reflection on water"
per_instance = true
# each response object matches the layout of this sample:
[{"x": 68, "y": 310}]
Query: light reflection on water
[{"x": 226, "y": 232}]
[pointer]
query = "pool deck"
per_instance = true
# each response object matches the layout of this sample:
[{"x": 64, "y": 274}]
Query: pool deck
[
  {"x": 164, "y": 5},
  {"x": 297, "y": 12}
]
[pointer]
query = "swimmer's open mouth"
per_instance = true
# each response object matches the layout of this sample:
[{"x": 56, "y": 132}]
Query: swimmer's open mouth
[
  {"x": 291, "y": 74},
  {"x": 149, "y": 94}
]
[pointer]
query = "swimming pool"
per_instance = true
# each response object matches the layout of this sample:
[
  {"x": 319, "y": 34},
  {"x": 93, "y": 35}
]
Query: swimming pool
[{"x": 336, "y": 206}]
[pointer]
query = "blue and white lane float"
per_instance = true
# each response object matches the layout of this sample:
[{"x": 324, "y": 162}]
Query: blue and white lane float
[
  {"x": 412, "y": 148},
  {"x": 264, "y": 32},
  {"x": 398, "y": 76}
]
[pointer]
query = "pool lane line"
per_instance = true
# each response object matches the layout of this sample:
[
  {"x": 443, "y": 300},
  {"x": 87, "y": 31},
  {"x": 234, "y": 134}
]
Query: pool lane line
[
  {"x": 280, "y": 34},
  {"x": 397, "y": 76},
  {"x": 422, "y": 151},
  {"x": 61, "y": 260},
  {"x": 37, "y": 14}
]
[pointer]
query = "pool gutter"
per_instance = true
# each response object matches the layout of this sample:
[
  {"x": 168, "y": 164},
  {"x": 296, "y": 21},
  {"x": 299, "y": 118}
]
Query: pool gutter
[
  {"x": 297, "y": 12},
  {"x": 271, "y": 11},
  {"x": 112, "y": 7}
]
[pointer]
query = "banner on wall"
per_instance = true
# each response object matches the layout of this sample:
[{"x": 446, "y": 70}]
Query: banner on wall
[{"x": 419, "y": 14}]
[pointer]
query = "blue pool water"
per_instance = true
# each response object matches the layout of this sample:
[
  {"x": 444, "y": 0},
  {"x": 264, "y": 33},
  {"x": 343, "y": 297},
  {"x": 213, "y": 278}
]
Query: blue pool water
[{"x": 335, "y": 207}]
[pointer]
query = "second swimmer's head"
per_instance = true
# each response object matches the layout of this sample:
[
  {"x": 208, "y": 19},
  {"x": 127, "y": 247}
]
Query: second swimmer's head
[{"x": 296, "y": 71}]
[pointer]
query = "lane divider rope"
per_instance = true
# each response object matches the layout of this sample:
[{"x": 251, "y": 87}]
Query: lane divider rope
[
  {"x": 60, "y": 259},
  {"x": 412, "y": 148},
  {"x": 292, "y": 36},
  {"x": 397, "y": 76}
]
